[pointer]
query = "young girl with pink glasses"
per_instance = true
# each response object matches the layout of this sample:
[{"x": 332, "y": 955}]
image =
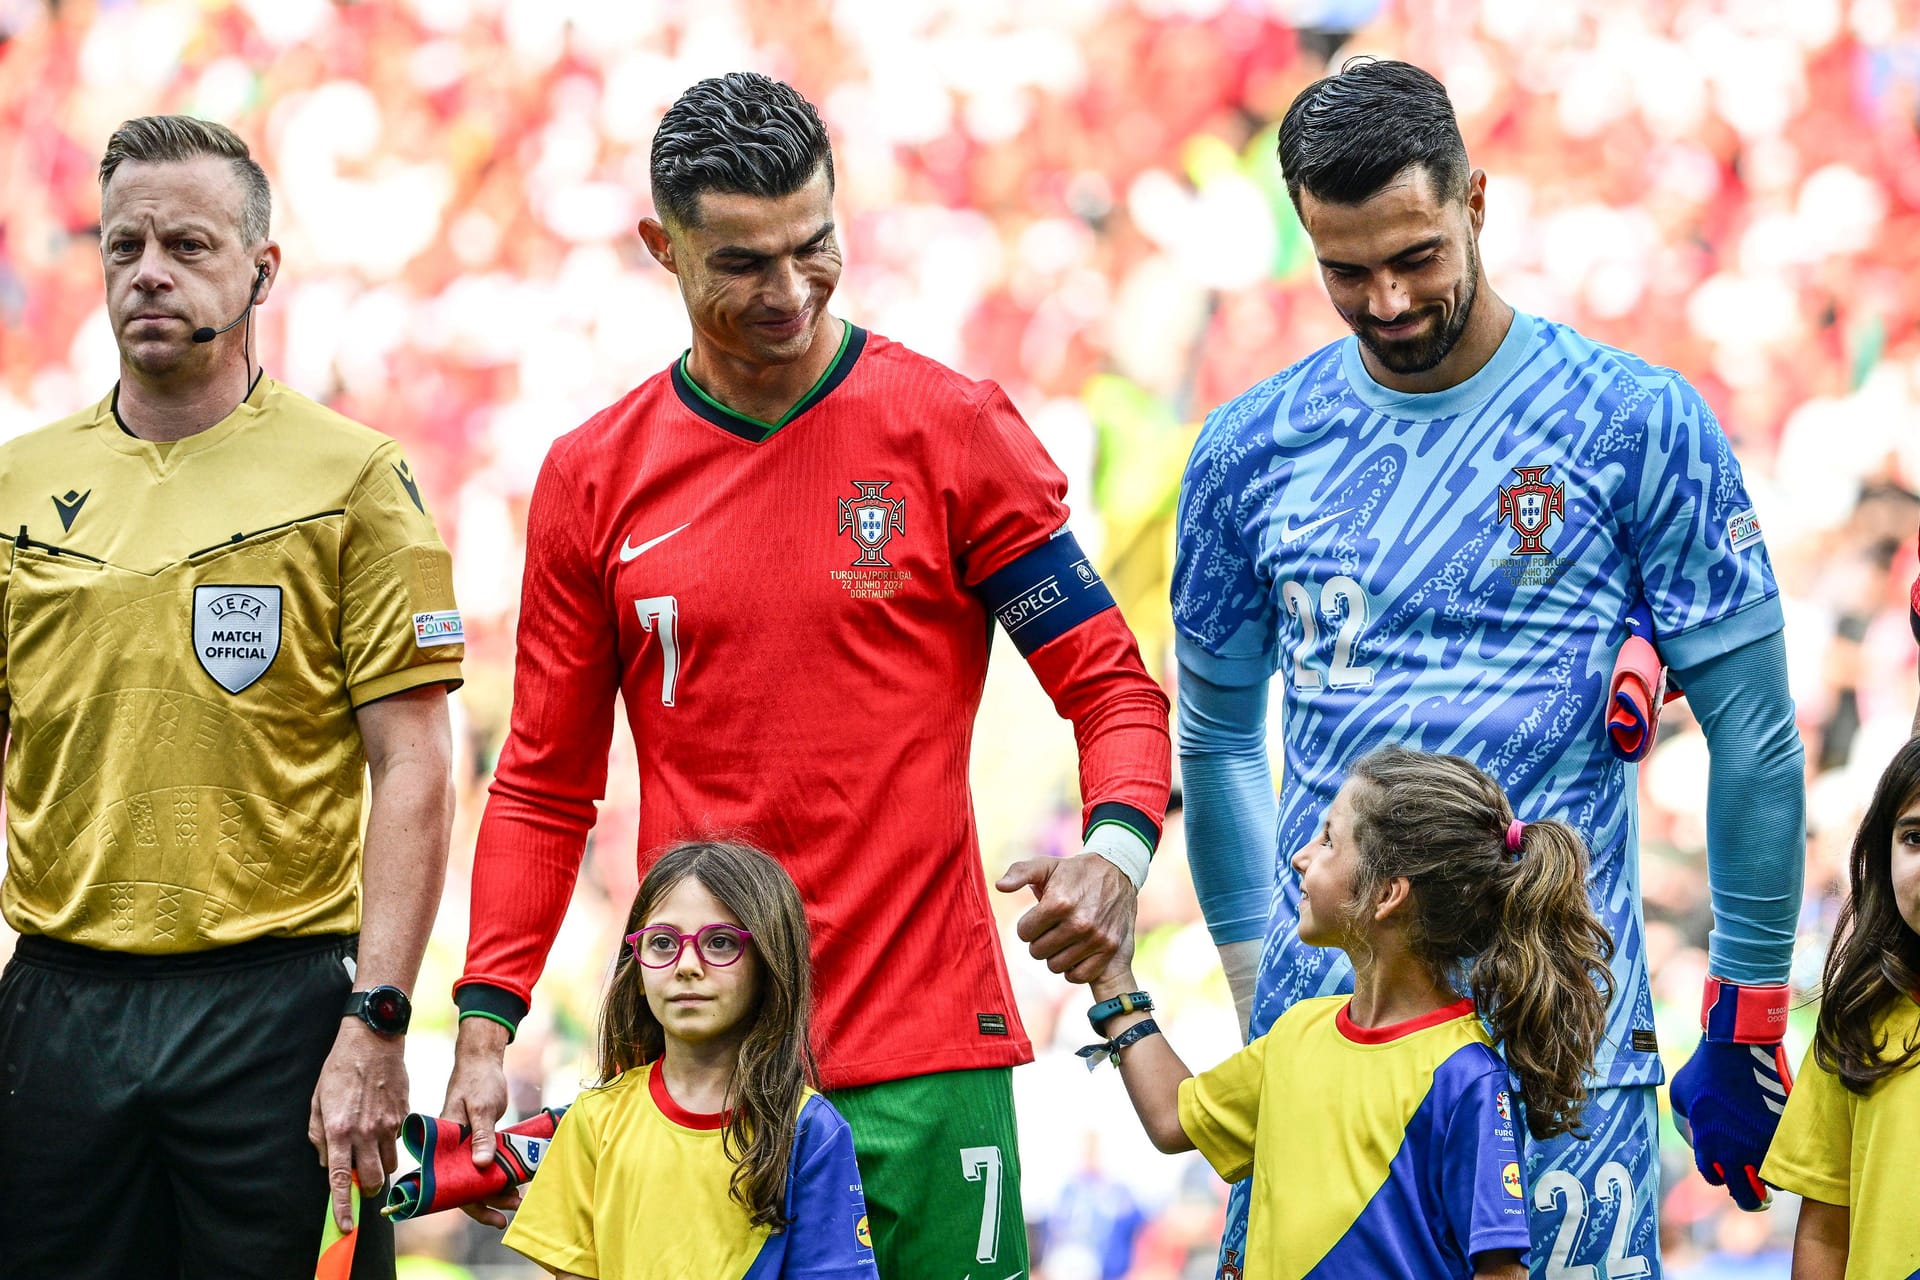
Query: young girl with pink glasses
[{"x": 704, "y": 1149}]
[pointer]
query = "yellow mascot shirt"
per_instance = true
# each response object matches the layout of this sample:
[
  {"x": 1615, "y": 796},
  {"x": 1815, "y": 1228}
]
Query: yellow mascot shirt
[
  {"x": 1837, "y": 1146},
  {"x": 185, "y": 631}
]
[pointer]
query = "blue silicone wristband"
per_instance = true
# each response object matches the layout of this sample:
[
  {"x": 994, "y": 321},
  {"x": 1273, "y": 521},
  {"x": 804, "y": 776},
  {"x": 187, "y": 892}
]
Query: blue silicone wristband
[{"x": 1107, "y": 1010}]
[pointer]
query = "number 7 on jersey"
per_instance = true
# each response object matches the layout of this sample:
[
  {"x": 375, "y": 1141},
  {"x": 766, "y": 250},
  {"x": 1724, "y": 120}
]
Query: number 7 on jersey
[{"x": 661, "y": 616}]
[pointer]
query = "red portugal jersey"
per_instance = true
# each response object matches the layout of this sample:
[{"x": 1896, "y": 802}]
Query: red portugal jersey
[{"x": 797, "y": 619}]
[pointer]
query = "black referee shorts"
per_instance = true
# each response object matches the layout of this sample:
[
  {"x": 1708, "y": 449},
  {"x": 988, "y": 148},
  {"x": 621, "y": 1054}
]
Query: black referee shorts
[{"x": 153, "y": 1112}]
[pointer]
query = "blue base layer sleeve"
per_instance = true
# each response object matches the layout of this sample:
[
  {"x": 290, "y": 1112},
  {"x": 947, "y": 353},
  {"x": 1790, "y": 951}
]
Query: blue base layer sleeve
[
  {"x": 1756, "y": 809},
  {"x": 1230, "y": 812}
]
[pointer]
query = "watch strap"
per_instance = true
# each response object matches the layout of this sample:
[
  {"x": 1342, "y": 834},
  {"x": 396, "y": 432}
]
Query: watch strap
[{"x": 1107, "y": 1010}]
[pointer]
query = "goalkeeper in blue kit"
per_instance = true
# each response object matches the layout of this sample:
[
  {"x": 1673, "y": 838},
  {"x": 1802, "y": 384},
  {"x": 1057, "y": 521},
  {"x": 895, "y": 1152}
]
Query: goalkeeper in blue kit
[{"x": 1434, "y": 530}]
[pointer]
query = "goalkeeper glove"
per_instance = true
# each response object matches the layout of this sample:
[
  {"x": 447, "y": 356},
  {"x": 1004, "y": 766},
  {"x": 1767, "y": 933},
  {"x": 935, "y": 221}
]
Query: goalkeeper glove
[{"x": 1727, "y": 1100}]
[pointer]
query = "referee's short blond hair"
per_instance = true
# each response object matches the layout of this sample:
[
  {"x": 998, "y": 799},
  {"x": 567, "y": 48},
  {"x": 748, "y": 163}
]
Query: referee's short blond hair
[{"x": 171, "y": 139}]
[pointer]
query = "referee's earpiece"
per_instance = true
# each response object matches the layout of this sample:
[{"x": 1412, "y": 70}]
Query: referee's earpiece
[{"x": 207, "y": 333}]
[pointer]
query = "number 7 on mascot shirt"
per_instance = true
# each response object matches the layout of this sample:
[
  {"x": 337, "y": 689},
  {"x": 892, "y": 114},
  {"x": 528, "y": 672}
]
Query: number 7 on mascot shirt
[{"x": 797, "y": 618}]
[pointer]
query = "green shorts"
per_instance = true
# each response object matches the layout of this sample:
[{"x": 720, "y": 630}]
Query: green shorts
[{"x": 940, "y": 1164}]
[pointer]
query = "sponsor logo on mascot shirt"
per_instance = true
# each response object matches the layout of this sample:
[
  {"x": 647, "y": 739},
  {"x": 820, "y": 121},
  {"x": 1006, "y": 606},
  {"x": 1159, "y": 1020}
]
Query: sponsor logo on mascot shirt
[{"x": 1510, "y": 1179}]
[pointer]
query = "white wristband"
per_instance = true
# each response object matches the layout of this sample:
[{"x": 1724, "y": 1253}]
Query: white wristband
[{"x": 1123, "y": 847}]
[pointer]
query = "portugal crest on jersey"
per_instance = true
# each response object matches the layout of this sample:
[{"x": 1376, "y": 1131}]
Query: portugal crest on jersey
[
  {"x": 236, "y": 633},
  {"x": 873, "y": 519},
  {"x": 1530, "y": 506}
]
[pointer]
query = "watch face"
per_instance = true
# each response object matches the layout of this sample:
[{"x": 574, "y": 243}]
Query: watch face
[
  {"x": 385, "y": 1009},
  {"x": 385, "y": 1006}
]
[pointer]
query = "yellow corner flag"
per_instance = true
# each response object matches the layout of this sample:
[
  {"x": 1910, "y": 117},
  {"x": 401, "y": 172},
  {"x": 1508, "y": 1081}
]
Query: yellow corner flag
[{"x": 336, "y": 1246}]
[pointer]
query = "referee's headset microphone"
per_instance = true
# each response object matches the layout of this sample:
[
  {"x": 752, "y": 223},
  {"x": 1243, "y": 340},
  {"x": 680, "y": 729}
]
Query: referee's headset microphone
[{"x": 206, "y": 333}]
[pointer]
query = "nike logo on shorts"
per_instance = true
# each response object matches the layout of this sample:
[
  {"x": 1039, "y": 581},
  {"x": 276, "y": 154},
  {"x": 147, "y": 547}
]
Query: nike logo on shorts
[{"x": 628, "y": 551}]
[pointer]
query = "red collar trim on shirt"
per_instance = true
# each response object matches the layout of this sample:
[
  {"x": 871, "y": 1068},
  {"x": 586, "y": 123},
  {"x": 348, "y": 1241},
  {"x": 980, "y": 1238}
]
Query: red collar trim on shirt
[
  {"x": 657, "y": 1086},
  {"x": 1394, "y": 1030}
]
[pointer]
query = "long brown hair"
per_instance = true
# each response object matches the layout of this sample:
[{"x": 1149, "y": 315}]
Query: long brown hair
[
  {"x": 1875, "y": 960},
  {"x": 1534, "y": 952},
  {"x": 776, "y": 1059}
]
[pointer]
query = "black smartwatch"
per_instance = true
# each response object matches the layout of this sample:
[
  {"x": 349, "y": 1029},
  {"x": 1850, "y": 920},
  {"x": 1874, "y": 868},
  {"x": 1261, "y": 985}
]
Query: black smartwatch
[{"x": 386, "y": 1009}]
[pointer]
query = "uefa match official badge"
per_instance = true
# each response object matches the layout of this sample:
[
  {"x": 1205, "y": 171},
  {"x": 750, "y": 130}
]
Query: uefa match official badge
[
  {"x": 873, "y": 518},
  {"x": 236, "y": 633}
]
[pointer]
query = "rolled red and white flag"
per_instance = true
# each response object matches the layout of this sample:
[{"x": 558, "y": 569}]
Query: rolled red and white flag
[{"x": 448, "y": 1178}]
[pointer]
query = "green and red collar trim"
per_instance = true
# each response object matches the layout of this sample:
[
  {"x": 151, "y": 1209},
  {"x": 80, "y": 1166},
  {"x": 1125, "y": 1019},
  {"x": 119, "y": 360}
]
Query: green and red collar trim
[{"x": 853, "y": 340}]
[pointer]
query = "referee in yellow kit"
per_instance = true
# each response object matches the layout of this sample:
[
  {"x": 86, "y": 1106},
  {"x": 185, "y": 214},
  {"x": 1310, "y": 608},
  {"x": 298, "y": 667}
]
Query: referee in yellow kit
[{"x": 221, "y": 607}]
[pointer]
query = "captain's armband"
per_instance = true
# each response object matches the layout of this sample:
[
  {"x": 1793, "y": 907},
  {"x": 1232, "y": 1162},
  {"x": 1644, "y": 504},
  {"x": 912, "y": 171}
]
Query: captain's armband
[{"x": 1045, "y": 593}]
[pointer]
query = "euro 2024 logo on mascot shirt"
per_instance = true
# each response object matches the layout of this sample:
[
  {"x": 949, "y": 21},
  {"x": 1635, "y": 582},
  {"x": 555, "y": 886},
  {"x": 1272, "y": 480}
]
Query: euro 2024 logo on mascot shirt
[{"x": 236, "y": 633}]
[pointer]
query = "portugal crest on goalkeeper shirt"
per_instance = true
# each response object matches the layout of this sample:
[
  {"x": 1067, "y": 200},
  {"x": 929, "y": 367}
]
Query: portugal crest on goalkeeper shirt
[{"x": 1530, "y": 505}]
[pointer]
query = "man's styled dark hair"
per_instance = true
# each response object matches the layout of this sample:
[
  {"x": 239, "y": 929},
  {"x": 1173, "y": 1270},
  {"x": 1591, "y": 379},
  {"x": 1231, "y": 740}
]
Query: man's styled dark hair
[
  {"x": 176, "y": 139},
  {"x": 1348, "y": 135},
  {"x": 743, "y": 133}
]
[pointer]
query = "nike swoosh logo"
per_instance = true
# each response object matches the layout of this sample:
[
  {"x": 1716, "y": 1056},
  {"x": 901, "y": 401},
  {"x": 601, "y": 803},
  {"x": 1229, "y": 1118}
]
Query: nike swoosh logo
[
  {"x": 628, "y": 551},
  {"x": 1291, "y": 532}
]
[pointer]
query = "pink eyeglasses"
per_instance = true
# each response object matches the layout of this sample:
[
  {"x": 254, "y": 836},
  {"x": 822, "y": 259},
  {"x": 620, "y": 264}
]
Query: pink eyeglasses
[{"x": 660, "y": 946}]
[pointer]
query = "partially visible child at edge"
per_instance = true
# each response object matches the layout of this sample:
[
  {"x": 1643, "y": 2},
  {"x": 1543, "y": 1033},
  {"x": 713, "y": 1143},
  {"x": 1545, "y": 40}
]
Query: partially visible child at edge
[
  {"x": 1849, "y": 1142},
  {"x": 704, "y": 1150},
  {"x": 1379, "y": 1128}
]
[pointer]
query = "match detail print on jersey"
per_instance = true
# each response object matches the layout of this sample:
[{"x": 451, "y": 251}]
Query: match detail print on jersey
[
  {"x": 236, "y": 632},
  {"x": 870, "y": 520}
]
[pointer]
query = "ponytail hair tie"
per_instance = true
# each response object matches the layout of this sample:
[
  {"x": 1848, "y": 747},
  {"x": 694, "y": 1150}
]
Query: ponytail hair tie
[{"x": 1514, "y": 831}]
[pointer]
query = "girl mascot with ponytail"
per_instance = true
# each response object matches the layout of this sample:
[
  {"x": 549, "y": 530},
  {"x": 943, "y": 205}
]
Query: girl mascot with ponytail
[{"x": 1379, "y": 1129}]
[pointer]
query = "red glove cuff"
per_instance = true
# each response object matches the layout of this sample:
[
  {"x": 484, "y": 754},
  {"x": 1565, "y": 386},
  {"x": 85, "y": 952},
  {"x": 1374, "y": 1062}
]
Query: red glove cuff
[
  {"x": 1744, "y": 1015},
  {"x": 1639, "y": 684}
]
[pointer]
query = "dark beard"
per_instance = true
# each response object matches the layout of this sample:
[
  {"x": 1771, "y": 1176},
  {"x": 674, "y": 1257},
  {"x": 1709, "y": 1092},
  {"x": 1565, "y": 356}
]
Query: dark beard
[{"x": 1419, "y": 355}]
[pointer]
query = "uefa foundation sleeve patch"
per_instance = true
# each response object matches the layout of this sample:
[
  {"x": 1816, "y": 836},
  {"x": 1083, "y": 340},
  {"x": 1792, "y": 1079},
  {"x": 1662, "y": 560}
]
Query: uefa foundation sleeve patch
[
  {"x": 1743, "y": 530},
  {"x": 444, "y": 627}
]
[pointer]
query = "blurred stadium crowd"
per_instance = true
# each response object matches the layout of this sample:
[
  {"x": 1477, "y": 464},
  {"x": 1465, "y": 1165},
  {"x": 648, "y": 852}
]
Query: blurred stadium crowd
[{"x": 1078, "y": 199}]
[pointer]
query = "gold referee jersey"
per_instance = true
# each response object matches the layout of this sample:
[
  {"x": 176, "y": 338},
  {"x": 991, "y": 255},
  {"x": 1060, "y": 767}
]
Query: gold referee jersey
[{"x": 185, "y": 631}]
